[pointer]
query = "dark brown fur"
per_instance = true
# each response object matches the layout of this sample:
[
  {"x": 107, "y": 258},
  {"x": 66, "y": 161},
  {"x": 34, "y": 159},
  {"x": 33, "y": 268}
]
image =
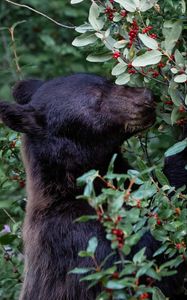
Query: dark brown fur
[{"x": 70, "y": 125}]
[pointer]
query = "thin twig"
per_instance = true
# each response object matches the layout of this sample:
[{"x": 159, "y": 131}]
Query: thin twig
[
  {"x": 10, "y": 217},
  {"x": 18, "y": 68},
  {"x": 40, "y": 13}
]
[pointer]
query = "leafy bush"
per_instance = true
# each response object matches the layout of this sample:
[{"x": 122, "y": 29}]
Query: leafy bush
[
  {"x": 142, "y": 44},
  {"x": 144, "y": 41}
]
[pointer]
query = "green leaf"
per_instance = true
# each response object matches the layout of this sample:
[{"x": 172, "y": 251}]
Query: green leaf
[
  {"x": 146, "y": 4},
  {"x": 185, "y": 100},
  {"x": 5, "y": 203},
  {"x": 162, "y": 179},
  {"x": 139, "y": 256},
  {"x": 95, "y": 276},
  {"x": 119, "y": 69},
  {"x": 148, "y": 42},
  {"x": 173, "y": 36},
  {"x": 175, "y": 94},
  {"x": 76, "y": 1},
  {"x": 84, "y": 28},
  {"x": 99, "y": 58},
  {"x": 87, "y": 177},
  {"x": 123, "y": 79},
  {"x": 115, "y": 284},
  {"x": 92, "y": 245},
  {"x": 80, "y": 270},
  {"x": 160, "y": 250},
  {"x": 84, "y": 40},
  {"x": 129, "y": 5},
  {"x": 175, "y": 115},
  {"x": 149, "y": 58},
  {"x": 179, "y": 58},
  {"x": 86, "y": 218},
  {"x": 94, "y": 13},
  {"x": 85, "y": 254},
  {"x": 7, "y": 239},
  {"x": 158, "y": 295},
  {"x": 180, "y": 78},
  {"x": 177, "y": 148}
]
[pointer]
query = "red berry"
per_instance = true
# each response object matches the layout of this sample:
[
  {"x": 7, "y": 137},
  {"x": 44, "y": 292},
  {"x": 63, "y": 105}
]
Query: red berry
[
  {"x": 178, "y": 246},
  {"x": 181, "y": 122},
  {"x": 114, "y": 231},
  {"x": 161, "y": 65},
  {"x": 169, "y": 102},
  {"x": 182, "y": 109},
  {"x": 118, "y": 219},
  {"x": 115, "y": 275},
  {"x": 120, "y": 245},
  {"x": 131, "y": 71},
  {"x": 116, "y": 54},
  {"x": 144, "y": 296},
  {"x": 108, "y": 10},
  {"x": 123, "y": 13},
  {"x": 22, "y": 183},
  {"x": 153, "y": 36},
  {"x": 144, "y": 30},
  {"x": 171, "y": 57},
  {"x": 178, "y": 211},
  {"x": 155, "y": 74},
  {"x": 12, "y": 144},
  {"x": 111, "y": 16},
  {"x": 158, "y": 222},
  {"x": 112, "y": 1},
  {"x": 181, "y": 71}
]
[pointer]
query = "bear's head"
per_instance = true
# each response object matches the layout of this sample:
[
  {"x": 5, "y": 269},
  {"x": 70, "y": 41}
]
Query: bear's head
[{"x": 76, "y": 122}]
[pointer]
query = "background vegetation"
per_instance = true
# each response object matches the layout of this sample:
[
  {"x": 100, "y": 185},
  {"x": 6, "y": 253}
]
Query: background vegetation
[{"x": 33, "y": 46}]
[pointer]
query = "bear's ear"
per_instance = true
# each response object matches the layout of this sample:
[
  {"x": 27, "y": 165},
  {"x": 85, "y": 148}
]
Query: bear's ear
[
  {"x": 22, "y": 118},
  {"x": 24, "y": 90}
]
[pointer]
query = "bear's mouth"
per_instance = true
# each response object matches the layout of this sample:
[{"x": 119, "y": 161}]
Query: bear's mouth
[{"x": 140, "y": 124}]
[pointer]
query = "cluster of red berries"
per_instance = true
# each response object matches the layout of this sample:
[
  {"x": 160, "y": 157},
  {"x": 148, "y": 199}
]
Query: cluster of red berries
[
  {"x": 180, "y": 246},
  {"x": 115, "y": 275},
  {"x": 133, "y": 32},
  {"x": 153, "y": 35},
  {"x": 119, "y": 237},
  {"x": 99, "y": 214},
  {"x": 168, "y": 102},
  {"x": 19, "y": 180},
  {"x": 110, "y": 12},
  {"x": 131, "y": 70},
  {"x": 144, "y": 296},
  {"x": 13, "y": 144},
  {"x": 156, "y": 217},
  {"x": 147, "y": 29},
  {"x": 155, "y": 74},
  {"x": 161, "y": 65},
  {"x": 123, "y": 13},
  {"x": 182, "y": 109},
  {"x": 116, "y": 54},
  {"x": 181, "y": 122}
]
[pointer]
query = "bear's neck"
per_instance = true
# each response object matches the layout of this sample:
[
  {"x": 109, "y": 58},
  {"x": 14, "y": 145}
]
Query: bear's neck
[{"x": 51, "y": 183}]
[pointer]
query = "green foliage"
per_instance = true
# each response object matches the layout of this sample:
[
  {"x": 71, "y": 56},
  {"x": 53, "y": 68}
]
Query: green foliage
[{"x": 33, "y": 46}]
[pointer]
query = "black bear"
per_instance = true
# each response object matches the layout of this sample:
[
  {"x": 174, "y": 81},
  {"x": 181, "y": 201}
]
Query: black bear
[{"x": 71, "y": 125}]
